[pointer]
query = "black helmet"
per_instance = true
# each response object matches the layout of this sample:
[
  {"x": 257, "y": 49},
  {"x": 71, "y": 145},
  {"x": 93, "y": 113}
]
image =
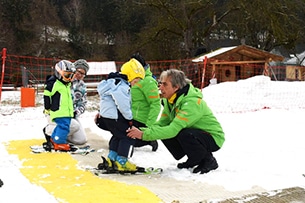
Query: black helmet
[{"x": 139, "y": 58}]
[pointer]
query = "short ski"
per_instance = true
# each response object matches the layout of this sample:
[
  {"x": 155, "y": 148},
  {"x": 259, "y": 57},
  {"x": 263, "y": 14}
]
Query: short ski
[
  {"x": 140, "y": 170},
  {"x": 74, "y": 149}
]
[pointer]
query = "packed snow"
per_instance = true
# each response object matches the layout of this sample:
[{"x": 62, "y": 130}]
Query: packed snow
[{"x": 262, "y": 119}]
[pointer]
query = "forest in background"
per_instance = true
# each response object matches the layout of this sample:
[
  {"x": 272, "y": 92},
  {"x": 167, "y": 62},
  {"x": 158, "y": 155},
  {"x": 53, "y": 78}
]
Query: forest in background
[{"x": 159, "y": 29}]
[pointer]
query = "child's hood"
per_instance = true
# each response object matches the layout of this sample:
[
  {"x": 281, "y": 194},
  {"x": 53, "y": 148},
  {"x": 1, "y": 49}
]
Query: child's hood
[{"x": 110, "y": 85}]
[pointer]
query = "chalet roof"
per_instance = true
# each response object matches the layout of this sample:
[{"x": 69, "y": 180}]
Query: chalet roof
[{"x": 251, "y": 52}]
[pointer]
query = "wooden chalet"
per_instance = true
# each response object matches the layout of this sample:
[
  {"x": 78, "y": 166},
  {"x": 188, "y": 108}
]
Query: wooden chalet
[{"x": 236, "y": 62}]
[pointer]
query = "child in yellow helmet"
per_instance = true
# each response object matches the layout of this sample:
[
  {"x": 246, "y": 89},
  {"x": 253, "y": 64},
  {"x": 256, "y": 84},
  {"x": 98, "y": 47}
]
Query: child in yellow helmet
[
  {"x": 115, "y": 115},
  {"x": 145, "y": 98}
]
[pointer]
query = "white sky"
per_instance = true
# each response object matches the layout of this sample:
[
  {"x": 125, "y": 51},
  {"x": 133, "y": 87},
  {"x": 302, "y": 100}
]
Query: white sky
[{"x": 263, "y": 121}]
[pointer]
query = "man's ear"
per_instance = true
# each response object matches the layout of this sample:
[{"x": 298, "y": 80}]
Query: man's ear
[{"x": 176, "y": 88}]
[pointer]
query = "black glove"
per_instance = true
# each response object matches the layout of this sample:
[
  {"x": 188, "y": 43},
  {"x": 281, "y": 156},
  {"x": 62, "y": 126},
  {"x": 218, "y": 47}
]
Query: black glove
[{"x": 75, "y": 114}]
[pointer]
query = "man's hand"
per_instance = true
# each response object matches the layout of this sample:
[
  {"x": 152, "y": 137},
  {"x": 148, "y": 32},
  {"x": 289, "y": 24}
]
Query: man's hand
[{"x": 134, "y": 133}]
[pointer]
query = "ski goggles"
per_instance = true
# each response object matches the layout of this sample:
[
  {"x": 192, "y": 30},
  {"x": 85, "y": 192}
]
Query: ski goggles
[{"x": 67, "y": 75}]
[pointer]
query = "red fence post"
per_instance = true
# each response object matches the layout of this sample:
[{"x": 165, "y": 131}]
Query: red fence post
[{"x": 3, "y": 67}]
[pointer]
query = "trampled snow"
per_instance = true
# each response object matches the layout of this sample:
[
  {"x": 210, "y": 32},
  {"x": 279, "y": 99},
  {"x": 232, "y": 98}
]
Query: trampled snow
[{"x": 263, "y": 121}]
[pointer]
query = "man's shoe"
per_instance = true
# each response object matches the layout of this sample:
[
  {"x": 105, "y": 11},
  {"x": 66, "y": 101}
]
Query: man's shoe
[
  {"x": 187, "y": 164},
  {"x": 206, "y": 165},
  {"x": 154, "y": 145}
]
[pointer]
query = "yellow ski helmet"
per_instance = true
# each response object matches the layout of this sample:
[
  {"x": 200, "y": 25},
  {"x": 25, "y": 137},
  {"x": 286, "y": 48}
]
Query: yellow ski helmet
[{"x": 133, "y": 69}]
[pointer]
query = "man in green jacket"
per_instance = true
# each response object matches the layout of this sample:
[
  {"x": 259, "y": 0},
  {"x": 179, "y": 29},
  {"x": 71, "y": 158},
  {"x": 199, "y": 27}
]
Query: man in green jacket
[{"x": 187, "y": 125}]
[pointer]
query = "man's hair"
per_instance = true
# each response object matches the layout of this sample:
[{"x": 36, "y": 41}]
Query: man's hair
[{"x": 177, "y": 77}]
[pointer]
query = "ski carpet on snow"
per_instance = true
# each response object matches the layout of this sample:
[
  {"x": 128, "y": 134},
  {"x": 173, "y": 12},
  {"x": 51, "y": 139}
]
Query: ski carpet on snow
[{"x": 61, "y": 176}]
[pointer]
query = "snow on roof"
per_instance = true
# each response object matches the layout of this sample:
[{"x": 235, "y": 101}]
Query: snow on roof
[
  {"x": 297, "y": 59},
  {"x": 213, "y": 53},
  {"x": 101, "y": 68}
]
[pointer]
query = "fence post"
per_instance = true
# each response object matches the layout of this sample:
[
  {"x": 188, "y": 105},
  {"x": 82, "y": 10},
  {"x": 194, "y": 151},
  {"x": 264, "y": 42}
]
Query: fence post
[
  {"x": 3, "y": 67},
  {"x": 203, "y": 72},
  {"x": 266, "y": 71},
  {"x": 25, "y": 78}
]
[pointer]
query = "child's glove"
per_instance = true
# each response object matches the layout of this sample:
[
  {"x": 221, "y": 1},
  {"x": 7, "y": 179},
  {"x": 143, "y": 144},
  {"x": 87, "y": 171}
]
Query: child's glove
[
  {"x": 46, "y": 111},
  {"x": 76, "y": 113}
]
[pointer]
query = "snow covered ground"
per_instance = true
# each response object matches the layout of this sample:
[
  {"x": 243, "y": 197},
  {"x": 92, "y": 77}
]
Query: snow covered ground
[{"x": 263, "y": 121}]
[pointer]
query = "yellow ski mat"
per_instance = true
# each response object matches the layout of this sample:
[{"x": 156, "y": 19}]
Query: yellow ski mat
[{"x": 59, "y": 174}]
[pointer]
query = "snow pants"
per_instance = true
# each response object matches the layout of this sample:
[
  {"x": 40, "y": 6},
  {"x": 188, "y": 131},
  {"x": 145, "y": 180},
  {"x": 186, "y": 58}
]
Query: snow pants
[
  {"x": 119, "y": 142},
  {"x": 61, "y": 131},
  {"x": 195, "y": 144},
  {"x": 76, "y": 134}
]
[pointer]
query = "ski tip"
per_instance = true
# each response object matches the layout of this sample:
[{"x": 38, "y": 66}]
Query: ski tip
[
  {"x": 35, "y": 146},
  {"x": 159, "y": 170}
]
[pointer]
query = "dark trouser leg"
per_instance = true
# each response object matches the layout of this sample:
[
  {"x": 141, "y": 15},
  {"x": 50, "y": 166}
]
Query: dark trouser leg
[
  {"x": 141, "y": 143},
  {"x": 174, "y": 147},
  {"x": 119, "y": 141},
  {"x": 193, "y": 148},
  {"x": 209, "y": 162},
  {"x": 196, "y": 144}
]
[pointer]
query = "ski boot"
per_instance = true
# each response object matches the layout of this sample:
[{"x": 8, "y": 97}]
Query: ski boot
[
  {"x": 61, "y": 147},
  {"x": 124, "y": 166},
  {"x": 48, "y": 146},
  {"x": 107, "y": 165}
]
